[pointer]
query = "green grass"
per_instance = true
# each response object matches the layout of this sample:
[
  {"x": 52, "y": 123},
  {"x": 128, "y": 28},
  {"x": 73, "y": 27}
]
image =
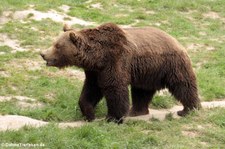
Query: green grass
[
  {"x": 204, "y": 129},
  {"x": 59, "y": 93},
  {"x": 163, "y": 102},
  {"x": 5, "y": 49},
  {"x": 28, "y": 36}
]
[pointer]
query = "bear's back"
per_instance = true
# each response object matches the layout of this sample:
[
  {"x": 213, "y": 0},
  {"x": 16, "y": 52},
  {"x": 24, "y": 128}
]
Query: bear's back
[{"x": 152, "y": 40}]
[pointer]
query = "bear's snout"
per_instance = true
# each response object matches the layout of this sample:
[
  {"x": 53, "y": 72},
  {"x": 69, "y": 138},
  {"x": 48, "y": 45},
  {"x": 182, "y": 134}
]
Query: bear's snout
[
  {"x": 42, "y": 55},
  {"x": 50, "y": 59},
  {"x": 47, "y": 54}
]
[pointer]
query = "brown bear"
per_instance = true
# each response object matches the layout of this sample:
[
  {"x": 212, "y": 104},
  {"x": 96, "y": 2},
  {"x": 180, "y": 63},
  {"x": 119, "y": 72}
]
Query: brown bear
[{"x": 113, "y": 58}]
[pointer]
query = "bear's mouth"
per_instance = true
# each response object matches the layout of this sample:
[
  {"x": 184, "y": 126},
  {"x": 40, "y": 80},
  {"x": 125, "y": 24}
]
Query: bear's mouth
[{"x": 51, "y": 62}]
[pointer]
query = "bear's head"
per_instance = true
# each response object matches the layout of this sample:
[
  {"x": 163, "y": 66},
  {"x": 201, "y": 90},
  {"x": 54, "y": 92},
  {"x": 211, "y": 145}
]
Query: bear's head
[
  {"x": 65, "y": 50},
  {"x": 88, "y": 48}
]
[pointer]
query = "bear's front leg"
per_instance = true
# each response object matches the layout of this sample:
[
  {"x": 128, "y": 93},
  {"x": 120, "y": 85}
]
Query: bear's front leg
[
  {"x": 91, "y": 94},
  {"x": 117, "y": 99}
]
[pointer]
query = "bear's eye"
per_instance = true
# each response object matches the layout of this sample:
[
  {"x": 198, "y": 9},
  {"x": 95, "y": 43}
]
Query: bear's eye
[{"x": 58, "y": 46}]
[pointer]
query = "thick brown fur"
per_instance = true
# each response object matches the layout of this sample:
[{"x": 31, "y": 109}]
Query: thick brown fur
[{"x": 148, "y": 59}]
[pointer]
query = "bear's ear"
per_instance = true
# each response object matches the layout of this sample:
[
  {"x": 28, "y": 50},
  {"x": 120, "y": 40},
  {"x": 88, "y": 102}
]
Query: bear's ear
[
  {"x": 66, "y": 28},
  {"x": 75, "y": 39}
]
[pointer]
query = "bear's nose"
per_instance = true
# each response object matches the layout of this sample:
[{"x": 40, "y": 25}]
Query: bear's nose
[{"x": 42, "y": 55}]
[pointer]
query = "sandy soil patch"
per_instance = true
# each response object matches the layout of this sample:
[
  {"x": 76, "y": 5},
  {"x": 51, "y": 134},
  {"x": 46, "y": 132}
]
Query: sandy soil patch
[
  {"x": 130, "y": 25},
  {"x": 4, "y": 73},
  {"x": 68, "y": 72},
  {"x": 199, "y": 47},
  {"x": 213, "y": 104},
  {"x": 214, "y": 16},
  {"x": 32, "y": 65},
  {"x": 194, "y": 46},
  {"x": 158, "y": 114},
  {"x": 12, "y": 43},
  {"x": 191, "y": 134},
  {"x": 120, "y": 15},
  {"x": 200, "y": 64},
  {"x": 56, "y": 16},
  {"x": 89, "y": 1},
  {"x": 194, "y": 131},
  {"x": 22, "y": 101},
  {"x": 202, "y": 33},
  {"x": 5, "y": 17},
  {"x": 19, "y": 98},
  {"x": 219, "y": 40},
  {"x": 52, "y": 14},
  {"x": 211, "y": 15},
  {"x": 188, "y": 14},
  {"x": 96, "y": 6},
  {"x": 26, "y": 64},
  {"x": 28, "y": 105},
  {"x": 162, "y": 114},
  {"x": 150, "y": 12},
  {"x": 72, "y": 124},
  {"x": 15, "y": 122},
  {"x": 123, "y": 8},
  {"x": 65, "y": 8}
]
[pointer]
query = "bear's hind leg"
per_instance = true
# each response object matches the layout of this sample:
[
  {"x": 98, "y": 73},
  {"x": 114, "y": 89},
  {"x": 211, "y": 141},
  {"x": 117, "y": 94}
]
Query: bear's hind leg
[
  {"x": 187, "y": 94},
  {"x": 140, "y": 101}
]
